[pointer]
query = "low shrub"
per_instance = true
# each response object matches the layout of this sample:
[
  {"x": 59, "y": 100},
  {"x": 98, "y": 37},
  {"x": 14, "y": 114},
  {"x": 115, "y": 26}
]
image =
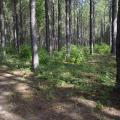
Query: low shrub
[
  {"x": 77, "y": 55},
  {"x": 102, "y": 49},
  {"x": 25, "y": 52},
  {"x": 43, "y": 55},
  {"x": 60, "y": 56}
]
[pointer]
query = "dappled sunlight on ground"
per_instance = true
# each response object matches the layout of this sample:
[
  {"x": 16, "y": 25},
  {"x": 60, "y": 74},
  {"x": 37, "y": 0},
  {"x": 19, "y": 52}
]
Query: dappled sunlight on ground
[
  {"x": 61, "y": 92},
  {"x": 25, "y": 97}
]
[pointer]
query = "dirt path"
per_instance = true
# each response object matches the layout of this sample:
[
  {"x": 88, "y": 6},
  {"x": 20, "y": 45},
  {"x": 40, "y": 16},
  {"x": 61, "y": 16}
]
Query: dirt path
[{"x": 18, "y": 101}]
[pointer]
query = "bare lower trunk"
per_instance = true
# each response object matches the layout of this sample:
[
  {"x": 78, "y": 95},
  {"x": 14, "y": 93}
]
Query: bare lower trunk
[
  {"x": 118, "y": 50},
  {"x": 35, "y": 58},
  {"x": 91, "y": 27},
  {"x": 21, "y": 22},
  {"x": 2, "y": 20},
  {"x": 68, "y": 26},
  {"x": 114, "y": 25},
  {"x": 15, "y": 28},
  {"x": 47, "y": 26},
  {"x": 59, "y": 25}
]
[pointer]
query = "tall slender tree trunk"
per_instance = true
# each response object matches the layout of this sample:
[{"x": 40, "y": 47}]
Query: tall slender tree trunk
[
  {"x": 91, "y": 27},
  {"x": 81, "y": 25},
  {"x": 118, "y": 50},
  {"x": 81, "y": 32},
  {"x": 78, "y": 23},
  {"x": 17, "y": 32},
  {"x": 93, "y": 23},
  {"x": 70, "y": 21},
  {"x": 21, "y": 22},
  {"x": 50, "y": 26},
  {"x": 101, "y": 32},
  {"x": 2, "y": 23},
  {"x": 114, "y": 25},
  {"x": 78, "y": 30},
  {"x": 47, "y": 26},
  {"x": 53, "y": 25},
  {"x": 74, "y": 36},
  {"x": 35, "y": 58},
  {"x": 110, "y": 23},
  {"x": 68, "y": 26},
  {"x": 15, "y": 26},
  {"x": 104, "y": 22},
  {"x": 59, "y": 25}
]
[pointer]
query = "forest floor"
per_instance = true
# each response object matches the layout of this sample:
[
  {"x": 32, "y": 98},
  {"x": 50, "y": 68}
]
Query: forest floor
[{"x": 25, "y": 96}]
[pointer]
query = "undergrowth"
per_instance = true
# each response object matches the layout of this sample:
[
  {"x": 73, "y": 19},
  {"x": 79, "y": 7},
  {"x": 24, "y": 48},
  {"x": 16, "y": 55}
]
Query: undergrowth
[{"x": 92, "y": 75}]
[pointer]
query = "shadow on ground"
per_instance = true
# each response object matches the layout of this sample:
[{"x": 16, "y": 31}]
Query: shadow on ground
[{"x": 27, "y": 98}]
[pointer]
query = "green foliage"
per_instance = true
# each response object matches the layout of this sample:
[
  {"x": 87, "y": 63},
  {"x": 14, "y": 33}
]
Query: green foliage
[
  {"x": 94, "y": 76},
  {"x": 2, "y": 55},
  {"x": 1, "y": 58},
  {"x": 60, "y": 56},
  {"x": 40, "y": 13},
  {"x": 102, "y": 49},
  {"x": 43, "y": 55},
  {"x": 91, "y": 78},
  {"x": 99, "y": 106},
  {"x": 77, "y": 55},
  {"x": 10, "y": 50},
  {"x": 25, "y": 52}
]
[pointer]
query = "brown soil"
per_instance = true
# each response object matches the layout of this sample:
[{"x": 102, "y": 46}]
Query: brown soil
[{"x": 20, "y": 101}]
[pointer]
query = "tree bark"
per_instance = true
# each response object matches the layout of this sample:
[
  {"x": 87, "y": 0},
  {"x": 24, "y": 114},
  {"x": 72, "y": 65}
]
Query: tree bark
[
  {"x": 68, "y": 26},
  {"x": 21, "y": 22},
  {"x": 53, "y": 25},
  {"x": 2, "y": 23},
  {"x": 94, "y": 23},
  {"x": 35, "y": 58},
  {"x": 101, "y": 32},
  {"x": 114, "y": 25},
  {"x": 118, "y": 50},
  {"x": 47, "y": 26},
  {"x": 0, "y": 19},
  {"x": 59, "y": 25},
  {"x": 91, "y": 27},
  {"x": 110, "y": 23},
  {"x": 15, "y": 26},
  {"x": 74, "y": 35}
]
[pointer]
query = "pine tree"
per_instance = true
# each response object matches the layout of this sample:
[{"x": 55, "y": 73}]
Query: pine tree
[{"x": 35, "y": 58}]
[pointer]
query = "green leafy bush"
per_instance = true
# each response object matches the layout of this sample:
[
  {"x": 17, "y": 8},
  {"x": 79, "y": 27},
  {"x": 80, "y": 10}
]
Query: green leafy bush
[
  {"x": 25, "y": 52},
  {"x": 43, "y": 55},
  {"x": 77, "y": 54},
  {"x": 102, "y": 49}
]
